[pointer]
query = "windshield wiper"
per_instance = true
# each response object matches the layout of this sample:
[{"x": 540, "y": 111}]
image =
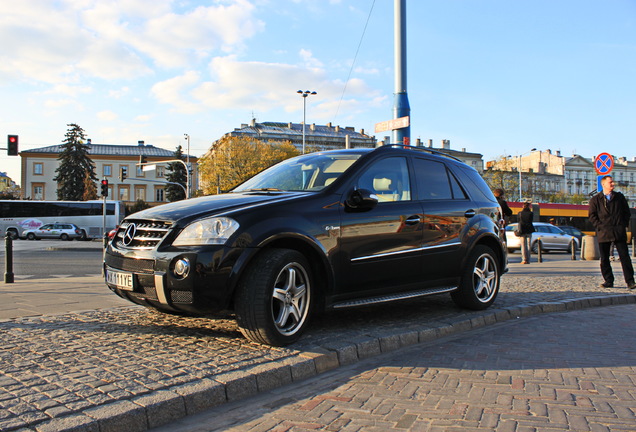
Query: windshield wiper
[{"x": 262, "y": 190}]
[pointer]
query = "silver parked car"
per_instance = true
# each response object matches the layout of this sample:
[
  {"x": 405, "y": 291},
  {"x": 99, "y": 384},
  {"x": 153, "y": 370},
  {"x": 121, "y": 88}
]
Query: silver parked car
[
  {"x": 58, "y": 230},
  {"x": 552, "y": 238}
]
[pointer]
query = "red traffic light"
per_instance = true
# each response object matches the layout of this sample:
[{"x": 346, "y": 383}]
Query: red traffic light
[
  {"x": 104, "y": 188},
  {"x": 12, "y": 145}
]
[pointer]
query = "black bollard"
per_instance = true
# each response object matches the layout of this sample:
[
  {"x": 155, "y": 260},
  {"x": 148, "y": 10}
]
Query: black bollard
[
  {"x": 539, "y": 251},
  {"x": 573, "y": 250},
  {"x": 8, "y": 259}
]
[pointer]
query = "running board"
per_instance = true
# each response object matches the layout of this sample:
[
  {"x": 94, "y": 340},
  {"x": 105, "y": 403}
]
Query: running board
[{"x": 392, "y": 297}]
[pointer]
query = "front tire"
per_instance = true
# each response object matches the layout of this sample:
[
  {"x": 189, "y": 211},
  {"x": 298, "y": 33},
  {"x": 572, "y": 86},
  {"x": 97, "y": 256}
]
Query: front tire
[
  {"x": 535, "y": 248},
  {"x": 274, "y": 297},
  {"x": 30, "y": 236},
  {"x": 480, "y": 281}
]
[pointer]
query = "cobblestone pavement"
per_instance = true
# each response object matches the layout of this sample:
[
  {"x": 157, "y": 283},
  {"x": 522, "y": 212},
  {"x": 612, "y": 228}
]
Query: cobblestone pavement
[
  {"x": 569, "y": 371},
  {"x": 127, "y": 368}
]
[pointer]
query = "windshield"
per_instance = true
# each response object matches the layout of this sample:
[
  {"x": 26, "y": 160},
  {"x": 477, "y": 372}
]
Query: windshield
[{"x": 312, "y": 172}]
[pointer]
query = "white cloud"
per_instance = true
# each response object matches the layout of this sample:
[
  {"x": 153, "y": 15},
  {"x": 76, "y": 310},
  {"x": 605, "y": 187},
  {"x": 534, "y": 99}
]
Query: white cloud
[
  {"x": 69, "y": 90},
  {"x": 143, "y": 118},
  {"x": 118, "y": 94},
  {"x": 172, "y": 92},
  {"x": 107, "y": 115},
  {"x": 259, "y": 86},
  {"x": 67, "y": 41},
  {"x": 59, "y": 103},
  {"x": 309, "y": 59}
]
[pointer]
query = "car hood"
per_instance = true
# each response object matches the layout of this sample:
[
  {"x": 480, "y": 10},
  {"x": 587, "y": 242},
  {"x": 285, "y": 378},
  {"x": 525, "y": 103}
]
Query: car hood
[{"x": 209, "y": 205}]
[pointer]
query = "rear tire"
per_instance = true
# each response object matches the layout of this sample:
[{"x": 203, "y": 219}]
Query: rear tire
[
  {"x": 64, "y": 237},
  {"x": 274, "y": 297},
  {"x": 480, "y": 280}
]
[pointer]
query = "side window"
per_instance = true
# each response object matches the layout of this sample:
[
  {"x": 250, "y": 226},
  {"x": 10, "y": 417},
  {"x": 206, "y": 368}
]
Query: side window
[
  {"x": 432, "y": 180},
  {"x": 388, "y": 179}
]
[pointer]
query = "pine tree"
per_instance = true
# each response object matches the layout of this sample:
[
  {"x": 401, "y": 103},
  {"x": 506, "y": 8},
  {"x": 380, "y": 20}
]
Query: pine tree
[
  {"x": 75, "y": 166},
  {"x": 176, "y": 174}
]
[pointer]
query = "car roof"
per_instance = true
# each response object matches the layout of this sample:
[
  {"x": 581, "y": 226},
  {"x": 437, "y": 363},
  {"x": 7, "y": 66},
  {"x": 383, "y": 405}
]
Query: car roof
[{"x": 394, "y": 148}]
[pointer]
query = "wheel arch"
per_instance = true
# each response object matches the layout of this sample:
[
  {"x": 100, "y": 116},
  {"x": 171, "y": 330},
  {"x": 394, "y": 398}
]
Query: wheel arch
[
  {"x": 316, "y": 257},
  {"x": 493, "y": 243}
]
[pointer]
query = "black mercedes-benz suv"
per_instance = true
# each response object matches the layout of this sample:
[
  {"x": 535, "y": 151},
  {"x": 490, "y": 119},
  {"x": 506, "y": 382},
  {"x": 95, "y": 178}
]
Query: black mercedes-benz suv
[{"x": 324, "y": 230}]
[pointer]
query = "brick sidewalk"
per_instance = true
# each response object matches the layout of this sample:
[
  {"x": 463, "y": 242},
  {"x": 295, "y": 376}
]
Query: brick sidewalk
[
  {"x": 129, "y": 368},
  {"x": 568, "y": 371}
]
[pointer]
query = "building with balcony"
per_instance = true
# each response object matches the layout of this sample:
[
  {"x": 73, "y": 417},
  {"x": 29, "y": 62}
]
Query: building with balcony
[
  {"x": 544, "y": 174},
  {"x": 320, "y": 137},
  {"x": 39, "y": 165}
]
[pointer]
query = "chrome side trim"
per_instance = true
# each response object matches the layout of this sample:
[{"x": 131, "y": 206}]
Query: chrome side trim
[
  {"x": 404, "y": 251},
  {"x": 393, "y": 297},
  {"x": 160, "y": 288}
]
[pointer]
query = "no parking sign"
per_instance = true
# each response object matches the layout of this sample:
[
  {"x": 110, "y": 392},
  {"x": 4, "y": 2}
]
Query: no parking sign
[{"x": 603, "y": 164}]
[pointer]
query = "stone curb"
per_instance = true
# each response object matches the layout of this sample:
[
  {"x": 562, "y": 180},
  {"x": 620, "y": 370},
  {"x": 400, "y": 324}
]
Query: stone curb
[{"x": 166, "y": 406}]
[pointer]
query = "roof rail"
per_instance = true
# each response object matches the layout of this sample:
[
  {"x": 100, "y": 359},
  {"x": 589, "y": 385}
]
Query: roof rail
[{"x": 423, "y": 149}]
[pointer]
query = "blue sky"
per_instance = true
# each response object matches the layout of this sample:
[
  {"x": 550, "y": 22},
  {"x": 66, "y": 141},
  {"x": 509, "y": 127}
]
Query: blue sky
[{"x": 495, "y": 77}]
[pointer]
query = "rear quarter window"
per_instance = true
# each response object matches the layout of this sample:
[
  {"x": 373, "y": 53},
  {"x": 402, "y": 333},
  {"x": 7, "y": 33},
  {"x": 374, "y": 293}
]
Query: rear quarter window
[{"x": 474, "y": 183}]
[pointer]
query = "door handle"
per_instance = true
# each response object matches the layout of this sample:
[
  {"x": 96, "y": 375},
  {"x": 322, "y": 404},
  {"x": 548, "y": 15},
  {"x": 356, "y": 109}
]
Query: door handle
[
  {"x": 470, "y": 213},
  {"x": 412, "y": 220}
]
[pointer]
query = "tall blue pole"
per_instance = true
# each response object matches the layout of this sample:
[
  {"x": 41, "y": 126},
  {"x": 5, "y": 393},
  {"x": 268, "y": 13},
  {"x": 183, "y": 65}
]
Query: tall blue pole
[{"x": 401, "y": 106}]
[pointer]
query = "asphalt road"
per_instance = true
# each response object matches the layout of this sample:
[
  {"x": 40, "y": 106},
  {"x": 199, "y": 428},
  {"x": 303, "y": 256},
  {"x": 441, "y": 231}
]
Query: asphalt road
[{"x": 53, "y": 258}]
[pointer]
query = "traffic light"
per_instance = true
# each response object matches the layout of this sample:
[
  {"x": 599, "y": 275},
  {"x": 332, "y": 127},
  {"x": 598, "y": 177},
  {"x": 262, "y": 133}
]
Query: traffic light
[
  {"x": 104, "y": 188},
  {"x": 142, "y": 160},
  {"x": 123, "y": 173},
  {"x": 12, "y": 145}
]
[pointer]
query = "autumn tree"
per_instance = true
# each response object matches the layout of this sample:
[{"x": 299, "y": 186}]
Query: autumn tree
[
  {"x": 500, "y": 175},
  {"x": 232, "y": 160},
  {"x": 75, "y": 166},
  {"x": 90, "y": 189}
]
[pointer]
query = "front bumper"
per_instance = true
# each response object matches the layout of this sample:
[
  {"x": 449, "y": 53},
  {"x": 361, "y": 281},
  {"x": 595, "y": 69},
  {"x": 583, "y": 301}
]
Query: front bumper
[{"x": 158, "y": 282}]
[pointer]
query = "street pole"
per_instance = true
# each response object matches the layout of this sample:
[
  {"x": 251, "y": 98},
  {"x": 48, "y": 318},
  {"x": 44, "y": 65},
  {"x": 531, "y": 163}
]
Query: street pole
[
  {"x": 401, "y": 107},
  {"x": 188, "y": 175},
  {"x": 304, "y": 94},
  {"x": 519, "y": 178},
  {"x": 531, "y": 150}
]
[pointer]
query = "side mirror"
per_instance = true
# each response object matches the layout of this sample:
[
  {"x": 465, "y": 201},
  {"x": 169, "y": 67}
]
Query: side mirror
[{"x": 361, "y": 199}]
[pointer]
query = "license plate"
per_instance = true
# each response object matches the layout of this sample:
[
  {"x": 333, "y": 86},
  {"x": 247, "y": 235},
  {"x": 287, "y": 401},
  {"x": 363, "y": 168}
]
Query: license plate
[{"x": 120, "y": 279}]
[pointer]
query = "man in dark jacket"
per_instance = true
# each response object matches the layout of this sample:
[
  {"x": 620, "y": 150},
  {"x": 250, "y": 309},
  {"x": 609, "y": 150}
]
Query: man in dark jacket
[
  {"x": 505, "y": 208},
  {"x": 609, "y": 213}
]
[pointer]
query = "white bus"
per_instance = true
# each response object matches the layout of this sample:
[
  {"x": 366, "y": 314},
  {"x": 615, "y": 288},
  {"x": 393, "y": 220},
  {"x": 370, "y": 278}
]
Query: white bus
[{"x": 19, "y": 215}]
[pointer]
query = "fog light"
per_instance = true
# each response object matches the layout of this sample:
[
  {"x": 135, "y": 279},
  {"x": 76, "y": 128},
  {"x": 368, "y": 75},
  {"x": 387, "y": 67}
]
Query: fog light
[{"x": 182, "y": 267}]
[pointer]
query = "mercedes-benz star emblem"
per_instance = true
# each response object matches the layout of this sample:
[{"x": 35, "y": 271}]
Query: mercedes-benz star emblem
[{"x": 129, "y": 235}]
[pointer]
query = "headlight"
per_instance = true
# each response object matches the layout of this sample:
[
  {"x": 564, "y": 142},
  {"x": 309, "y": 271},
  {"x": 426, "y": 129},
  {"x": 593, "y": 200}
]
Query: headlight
[{"x": 210, "y": 231}]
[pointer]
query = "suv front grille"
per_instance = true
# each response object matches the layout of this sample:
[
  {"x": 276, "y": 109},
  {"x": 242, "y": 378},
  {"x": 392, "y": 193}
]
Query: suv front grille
[{"x": 147, "y": 234}]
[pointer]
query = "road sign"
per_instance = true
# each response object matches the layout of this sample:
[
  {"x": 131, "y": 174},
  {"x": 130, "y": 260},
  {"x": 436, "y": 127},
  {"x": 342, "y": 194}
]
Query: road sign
[
  {"x": 397, "y": 123},
  {"x": 603, "y": 163}
]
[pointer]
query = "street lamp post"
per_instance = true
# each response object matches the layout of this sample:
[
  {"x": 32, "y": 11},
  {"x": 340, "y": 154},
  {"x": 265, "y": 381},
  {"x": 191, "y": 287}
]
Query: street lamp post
[
  {"x": 187, "y": 137},
  {"x": 531, "y": 150},
  {"x": 304, "y": 94}
]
